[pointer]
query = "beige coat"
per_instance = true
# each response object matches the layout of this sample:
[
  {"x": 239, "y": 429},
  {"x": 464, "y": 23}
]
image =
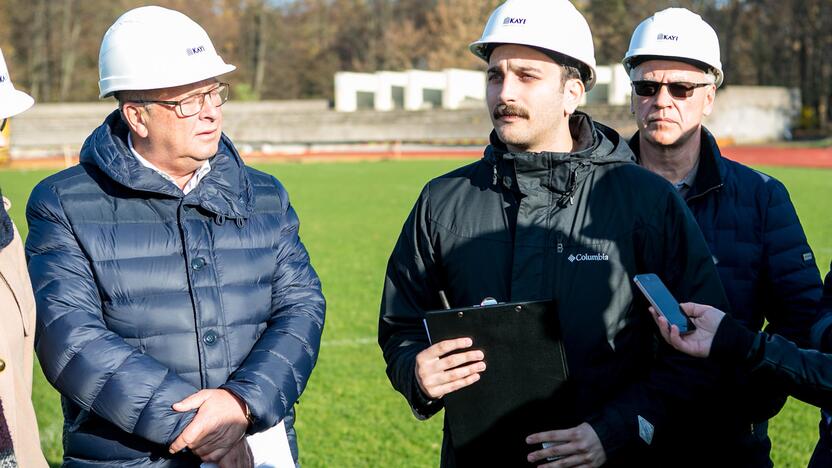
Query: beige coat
[{"x": 17, "y": 333}]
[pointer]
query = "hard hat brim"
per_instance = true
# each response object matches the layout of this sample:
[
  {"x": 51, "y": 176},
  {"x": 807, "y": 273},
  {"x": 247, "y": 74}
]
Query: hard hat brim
[
  {"x": 483, "y": 49},
  {"x": 630, "y": 63},
  {"x": 14, "y": 102},
  {"x": 113, "y": 85}
]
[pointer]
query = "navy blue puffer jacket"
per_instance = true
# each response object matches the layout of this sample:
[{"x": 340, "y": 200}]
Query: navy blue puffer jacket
[
  {"x": 146, "y": 295},
  {"x": 767, "y": 269}
]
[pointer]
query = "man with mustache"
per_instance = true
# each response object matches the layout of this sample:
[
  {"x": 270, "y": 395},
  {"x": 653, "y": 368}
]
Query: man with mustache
[
  {"x": 751, "y": 227},
  {"x": 178, "y": 311},
  {"x": 555, "y": 209}
]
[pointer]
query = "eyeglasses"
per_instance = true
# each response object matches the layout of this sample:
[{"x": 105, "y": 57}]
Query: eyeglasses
[
  {"x": 194, "y": 103},
  {"x": 679, "y": 89}
]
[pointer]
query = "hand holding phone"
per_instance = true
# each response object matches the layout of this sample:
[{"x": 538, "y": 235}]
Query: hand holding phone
[{"x": 663, "y": 301}]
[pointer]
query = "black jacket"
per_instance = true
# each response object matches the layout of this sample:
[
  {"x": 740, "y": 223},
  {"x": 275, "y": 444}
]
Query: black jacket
[
  {"x": 758, "y": 244},
  {"x": 806, "y": 374},
  {"x": 574, "y": 227},
  {"x": 769, "y": 274}
]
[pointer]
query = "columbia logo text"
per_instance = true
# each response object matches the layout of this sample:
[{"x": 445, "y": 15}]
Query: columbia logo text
[
  {"x": 584, "y": 257},
  {"x": 510, "y": 20},
  {"x": 667, "y": 37},
  {"x": 195, "y": 50}
]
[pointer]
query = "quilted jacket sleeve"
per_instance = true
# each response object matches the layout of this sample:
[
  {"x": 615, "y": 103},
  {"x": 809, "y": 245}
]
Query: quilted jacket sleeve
[
  {"x": 277, "y": 369},
  {"x": 676, "y": 251},
  {"x": 795, "y": 284},
  {"x": 86, "y": 362},
  {"x": 408, "y": 291}
]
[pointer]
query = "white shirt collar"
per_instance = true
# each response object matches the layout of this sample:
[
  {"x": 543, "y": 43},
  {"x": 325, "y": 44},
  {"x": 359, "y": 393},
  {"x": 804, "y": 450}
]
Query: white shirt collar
[{"x": 197, "y": 176}]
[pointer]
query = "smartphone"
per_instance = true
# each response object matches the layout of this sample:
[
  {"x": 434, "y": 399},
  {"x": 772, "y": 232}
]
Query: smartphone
[{"x": 660, "y": 298}]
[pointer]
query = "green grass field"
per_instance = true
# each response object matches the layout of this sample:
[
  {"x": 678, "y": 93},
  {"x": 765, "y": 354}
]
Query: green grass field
[{"x": 350, "y": 215}]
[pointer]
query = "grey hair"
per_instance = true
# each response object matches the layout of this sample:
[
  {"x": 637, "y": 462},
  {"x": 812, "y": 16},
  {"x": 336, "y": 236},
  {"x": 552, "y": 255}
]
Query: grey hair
[{"x": 710, "y": 75}]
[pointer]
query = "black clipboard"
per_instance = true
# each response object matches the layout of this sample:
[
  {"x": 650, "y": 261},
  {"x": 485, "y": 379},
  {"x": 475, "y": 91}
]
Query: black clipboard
[{"x": 523, "y": 390}]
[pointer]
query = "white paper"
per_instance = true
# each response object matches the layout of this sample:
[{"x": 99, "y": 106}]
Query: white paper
[{"x": 270, "y": 449}]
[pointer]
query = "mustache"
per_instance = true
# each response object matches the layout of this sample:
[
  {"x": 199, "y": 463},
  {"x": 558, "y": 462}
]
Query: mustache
[{"x": 510, "y": 110}]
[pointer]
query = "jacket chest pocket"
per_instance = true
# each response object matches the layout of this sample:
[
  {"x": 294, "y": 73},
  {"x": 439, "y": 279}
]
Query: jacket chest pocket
[
  {"x": 588, "y": 269},
  {"x": 583, "y": 255}
]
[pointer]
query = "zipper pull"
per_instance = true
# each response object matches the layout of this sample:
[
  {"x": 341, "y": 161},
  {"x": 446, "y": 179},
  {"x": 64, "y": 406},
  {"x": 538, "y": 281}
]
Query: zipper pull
[
  {"x": 494, "y": 180},
  {"x": 560, "y": 245}
]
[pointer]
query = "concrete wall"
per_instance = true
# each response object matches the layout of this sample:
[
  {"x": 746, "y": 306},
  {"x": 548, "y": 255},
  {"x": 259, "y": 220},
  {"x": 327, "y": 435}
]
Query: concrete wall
[
  {"x": 754, "y": 114},
  {"x": 742, "y": 114},
  {"x": 53, "y": 129}
]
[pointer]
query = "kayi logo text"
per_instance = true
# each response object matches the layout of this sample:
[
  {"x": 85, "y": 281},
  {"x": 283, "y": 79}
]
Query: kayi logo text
[
  {"x": 667, "y": 37},
  {"x": 585, "y": 257},
  {"x": 2, "y": 78},
  {"x": 510, "y": 20},
  {"x": 195, "y": 50}
]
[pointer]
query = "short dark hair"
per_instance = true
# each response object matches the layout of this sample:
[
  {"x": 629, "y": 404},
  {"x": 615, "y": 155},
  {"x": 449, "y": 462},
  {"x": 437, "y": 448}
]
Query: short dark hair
[{"x": 570, "y": 68}]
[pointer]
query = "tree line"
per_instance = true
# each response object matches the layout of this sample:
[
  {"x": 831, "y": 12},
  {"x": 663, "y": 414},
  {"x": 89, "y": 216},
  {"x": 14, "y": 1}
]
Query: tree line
[{"x": 290, "y": 49}]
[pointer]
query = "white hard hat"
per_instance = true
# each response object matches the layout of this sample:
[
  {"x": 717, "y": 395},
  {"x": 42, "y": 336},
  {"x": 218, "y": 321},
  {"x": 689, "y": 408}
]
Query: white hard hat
[
  {"x": 676, "y": 33},
  {"x": 153, "y": 47},
  {"x": 12, "y": 101},
  {"x": 551, "y": 25}
]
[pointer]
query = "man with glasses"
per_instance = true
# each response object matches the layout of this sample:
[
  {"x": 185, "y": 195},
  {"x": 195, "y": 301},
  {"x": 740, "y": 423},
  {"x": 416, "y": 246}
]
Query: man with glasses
[
  {"x": 753, "y": 232},
  {"x": 177, "y": 308}
]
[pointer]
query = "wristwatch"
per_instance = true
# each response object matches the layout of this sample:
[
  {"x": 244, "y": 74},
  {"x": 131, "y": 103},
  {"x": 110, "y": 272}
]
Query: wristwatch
[{"x": 249, "y": 417}]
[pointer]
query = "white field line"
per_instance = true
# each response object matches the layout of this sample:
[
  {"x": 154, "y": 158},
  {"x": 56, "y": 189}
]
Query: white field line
[{"x": 350, "y": 342}]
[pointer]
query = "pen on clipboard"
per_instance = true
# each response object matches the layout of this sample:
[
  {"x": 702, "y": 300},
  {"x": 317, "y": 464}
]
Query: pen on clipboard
[
  {"x": 445, "y": 305},
  {"x": 444, "y": 299}
]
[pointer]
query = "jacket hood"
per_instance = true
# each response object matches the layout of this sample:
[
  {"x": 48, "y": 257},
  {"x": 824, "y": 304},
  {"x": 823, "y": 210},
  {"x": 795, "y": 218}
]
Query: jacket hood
[
  {"x": 598, "y": 144},
  {"x": 225, "y": 191},
  {"x": 559, "y": 172}
]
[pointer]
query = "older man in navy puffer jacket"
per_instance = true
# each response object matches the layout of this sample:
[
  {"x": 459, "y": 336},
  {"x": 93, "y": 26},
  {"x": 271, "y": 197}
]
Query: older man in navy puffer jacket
[
  {"x": 169, "y": 277},
  {"x": 747, "y": 218}
]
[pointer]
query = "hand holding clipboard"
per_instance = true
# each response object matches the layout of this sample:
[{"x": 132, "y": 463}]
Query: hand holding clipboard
[
  {"x": 522, "y": 389},
  {"x": 444, "y": 367}
]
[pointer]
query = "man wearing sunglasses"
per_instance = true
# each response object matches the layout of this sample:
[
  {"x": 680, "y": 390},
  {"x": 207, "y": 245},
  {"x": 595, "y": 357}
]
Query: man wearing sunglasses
[
  {"x": 555, "y": 209},
  {"x": 753, "y": 232},
  {"x": 177, "y": 308}
]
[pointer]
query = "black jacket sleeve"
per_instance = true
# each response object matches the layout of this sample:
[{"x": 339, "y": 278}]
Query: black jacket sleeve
[
  {"x": 805, "y": 373},
  {"x": 675, "y": 250},
  {"x": 410, "y": 288}
]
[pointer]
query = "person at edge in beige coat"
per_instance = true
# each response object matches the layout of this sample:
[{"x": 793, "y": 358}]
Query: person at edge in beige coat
[{"x": 17, "y": 316}]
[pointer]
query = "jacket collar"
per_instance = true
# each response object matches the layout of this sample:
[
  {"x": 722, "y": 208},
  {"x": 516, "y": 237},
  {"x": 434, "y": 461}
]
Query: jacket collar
[
  {"x": 225, "y": 191},
  {"x": 557, "y": 172},
  {"x": 710, "y": 174}
]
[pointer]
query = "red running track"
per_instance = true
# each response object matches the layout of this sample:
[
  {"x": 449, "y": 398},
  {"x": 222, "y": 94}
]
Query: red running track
[
  {"x": 779, "y": 156},
  {"x": 751, "y": 155}
]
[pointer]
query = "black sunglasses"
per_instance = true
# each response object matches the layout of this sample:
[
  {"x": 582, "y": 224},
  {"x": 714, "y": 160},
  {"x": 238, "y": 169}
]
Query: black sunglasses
[{"x": 679, "y": 89}]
